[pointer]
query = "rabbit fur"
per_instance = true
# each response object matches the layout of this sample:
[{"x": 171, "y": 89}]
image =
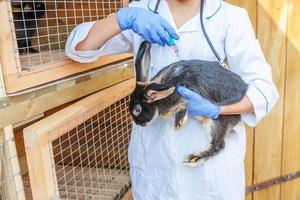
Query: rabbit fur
[
  {"x": 158, "y": 96},
  {"x": 26, "y": 24}
]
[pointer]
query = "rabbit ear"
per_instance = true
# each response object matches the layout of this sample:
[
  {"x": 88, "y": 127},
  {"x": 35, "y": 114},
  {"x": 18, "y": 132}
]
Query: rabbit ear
[
  {"x": 157, "y": 92},
  {"x": 142, "y": 62}
]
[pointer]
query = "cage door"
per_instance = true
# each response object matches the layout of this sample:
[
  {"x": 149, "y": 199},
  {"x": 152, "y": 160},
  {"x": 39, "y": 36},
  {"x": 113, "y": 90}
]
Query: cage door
[{"x": 80, "y": 152}]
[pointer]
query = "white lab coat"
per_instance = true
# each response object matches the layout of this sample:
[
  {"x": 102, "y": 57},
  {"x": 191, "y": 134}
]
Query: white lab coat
[{"x": 156, "y": 152}]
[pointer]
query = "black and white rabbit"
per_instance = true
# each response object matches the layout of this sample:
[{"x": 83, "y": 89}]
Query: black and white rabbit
[
  {"x": 159, "y": 97},
  {"x": 26, "y": 24}
]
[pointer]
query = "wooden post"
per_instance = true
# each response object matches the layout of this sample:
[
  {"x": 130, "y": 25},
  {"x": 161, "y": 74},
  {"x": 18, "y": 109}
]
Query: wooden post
[
  {"x": 11, "y": 167},
  {"x": 271, "y": 31},
  {"x": 291, "y": 131},
  {"x": 7, "y": 54},
  {"x": 40, "y": 165},
  {"x": 2, "y": 85},
  {"x": 1, "y": 153}
]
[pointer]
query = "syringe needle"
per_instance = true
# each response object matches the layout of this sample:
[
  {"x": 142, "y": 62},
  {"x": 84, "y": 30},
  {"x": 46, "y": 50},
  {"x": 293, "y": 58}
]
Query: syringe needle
[{"x": 174, "y": 47}]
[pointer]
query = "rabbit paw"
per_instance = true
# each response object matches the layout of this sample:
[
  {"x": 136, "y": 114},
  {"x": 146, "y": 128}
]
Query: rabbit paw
[
  {"x": 177, "y": 127},
  {"x": 180, "y": 123},
  {"x": 180, "y": 119},
  {"x": 194, "y": 160}
]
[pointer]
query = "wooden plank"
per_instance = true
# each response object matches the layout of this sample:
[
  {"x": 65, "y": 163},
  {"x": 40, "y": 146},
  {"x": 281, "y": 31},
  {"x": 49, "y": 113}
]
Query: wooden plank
[
  {"x": 53, "y": 60},
  {"x": 15, "y": 83},
  {"x": 7, "y": 53},
  {"x": 2, "y": 85},
  {"x": 90, "y": 105},
  {"x": 291, "y": 131},
  {"x": 271, "y": 30},
  {"x": 43, "y": 182},
  {"x": 251, "y": 6},
  {"x": 3, "y": 185},
  {"x": 1, "y": 153},
  {"x": 12, "y": 172},
  {"x": 36, "y": 105}
]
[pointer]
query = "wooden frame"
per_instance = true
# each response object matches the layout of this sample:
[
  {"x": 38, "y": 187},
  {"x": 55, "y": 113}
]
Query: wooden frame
[
  {"x": 1, "y": 152},
  {"x": 2, "y": 85},
  {"x": 30, "y": 104},
  {"x": 43, "y": 183},
  {"x": 12, "y": 79},
  {"x": 11, "y": 167}
]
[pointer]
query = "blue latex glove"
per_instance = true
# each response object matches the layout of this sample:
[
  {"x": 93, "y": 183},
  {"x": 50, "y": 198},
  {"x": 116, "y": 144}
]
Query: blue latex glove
[
  {"x": 198, "y": 105},
  {"x": 147, "y": 24}
]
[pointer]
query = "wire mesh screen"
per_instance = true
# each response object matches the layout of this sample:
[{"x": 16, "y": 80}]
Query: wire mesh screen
[
  {"x": 90, "y": 160},
  {"x": 41, "y": 27},
  {"x": 11, "y": 186}
]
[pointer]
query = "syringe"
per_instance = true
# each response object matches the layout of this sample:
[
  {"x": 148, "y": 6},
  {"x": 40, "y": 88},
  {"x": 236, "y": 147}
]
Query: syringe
[{"x": 174, "y": 47}]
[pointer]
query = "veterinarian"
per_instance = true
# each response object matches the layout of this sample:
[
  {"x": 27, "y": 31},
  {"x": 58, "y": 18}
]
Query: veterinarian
[{"x": 156, "y": 152}]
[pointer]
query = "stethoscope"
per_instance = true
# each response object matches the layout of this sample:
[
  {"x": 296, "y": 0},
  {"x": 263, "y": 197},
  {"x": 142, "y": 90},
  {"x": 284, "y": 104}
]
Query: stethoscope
[{"x": 221, "y": 62}]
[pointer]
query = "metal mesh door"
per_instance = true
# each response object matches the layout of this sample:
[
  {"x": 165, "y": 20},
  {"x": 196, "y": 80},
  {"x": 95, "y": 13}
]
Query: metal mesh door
[{"x": 40, "y": 28}]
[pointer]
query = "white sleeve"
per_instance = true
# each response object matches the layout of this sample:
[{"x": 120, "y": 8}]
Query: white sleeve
[
  {"x": 118, "y": 44},
  {"x": 246, "y": 58}
]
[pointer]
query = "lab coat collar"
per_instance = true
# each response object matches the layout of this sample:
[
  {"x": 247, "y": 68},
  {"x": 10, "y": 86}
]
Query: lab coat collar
[{"x": 211, "y": 8}]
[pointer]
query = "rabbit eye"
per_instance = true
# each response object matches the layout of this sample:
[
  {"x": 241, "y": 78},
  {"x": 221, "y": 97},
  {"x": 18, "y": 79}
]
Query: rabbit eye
[{"x": 137, "y": 110}]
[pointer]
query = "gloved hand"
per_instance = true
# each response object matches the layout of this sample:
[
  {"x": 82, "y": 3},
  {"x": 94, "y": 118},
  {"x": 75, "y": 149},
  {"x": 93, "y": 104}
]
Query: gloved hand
[
  {"x": 198, "y": 105},
  {"x": 147, "y": 24}
]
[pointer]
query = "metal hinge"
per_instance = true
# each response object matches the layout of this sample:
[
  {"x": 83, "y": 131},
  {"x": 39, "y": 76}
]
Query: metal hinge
[{"x": 272, "y": 182}]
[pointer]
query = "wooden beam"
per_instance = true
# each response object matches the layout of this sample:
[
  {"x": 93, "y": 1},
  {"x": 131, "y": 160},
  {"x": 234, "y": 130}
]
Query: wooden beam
[
  {"x": 7, "y": 53},
  {"x": 291, "y": 131},
  {"x": 1, "y": 152},
  {"x": 271, "y": 27},
  {"x": 33, "y": 105},
  {"x": 12, "y": 170},
  {"x": 15, "y": 83},
  {"x": 41, "y": 171},
  {"x": 2, "y": 85}
]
